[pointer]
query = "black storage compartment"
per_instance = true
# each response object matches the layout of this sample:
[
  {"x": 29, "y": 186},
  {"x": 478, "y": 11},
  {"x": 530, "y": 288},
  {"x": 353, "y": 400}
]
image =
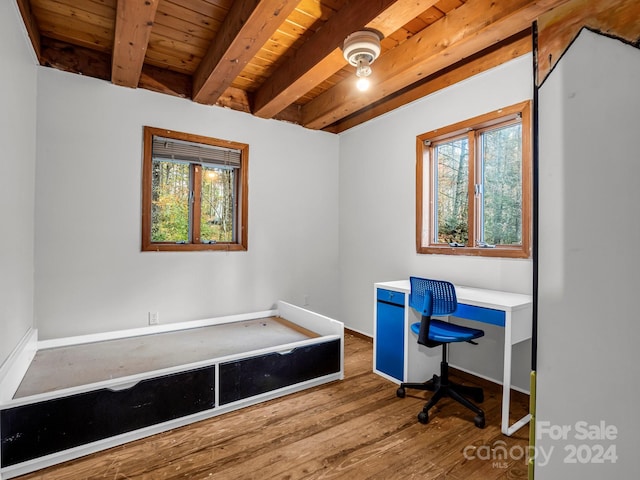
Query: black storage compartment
[
  {"x": 31, "y": 431},
  {"x": 255, "y": 375}
]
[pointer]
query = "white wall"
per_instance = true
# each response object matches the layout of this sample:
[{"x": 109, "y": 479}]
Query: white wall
[
  {"x": 17, "y": 163},
  {"x": 588, "y": 366},
  {"x": 377, "y": 200},
  {"x": 91, "y": 275}
]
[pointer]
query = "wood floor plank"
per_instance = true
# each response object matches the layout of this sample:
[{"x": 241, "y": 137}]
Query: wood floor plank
[
  {"x": 283, "y": 432},
  {"x": 356, "y": 429},
  {"x": 303, "y": 456}
]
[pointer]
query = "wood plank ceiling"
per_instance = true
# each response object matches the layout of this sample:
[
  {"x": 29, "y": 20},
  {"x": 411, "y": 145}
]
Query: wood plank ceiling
[{"x": 281, "y": 59}]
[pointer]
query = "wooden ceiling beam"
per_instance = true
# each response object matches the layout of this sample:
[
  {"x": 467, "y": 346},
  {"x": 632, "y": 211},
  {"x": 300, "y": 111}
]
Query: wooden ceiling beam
[
  {"x": 473, "y": 27},
  {"x": 247, "y": 27},
  {"x": 318, "y": 58},
  {"x": 96, "y": 64},
  {"x": 511, "y": 48},
  {"x": 321, "y": 56},
  {"x": 399, "y": 14},
  {"x": 31, "y": 25},
  {"x": 134, "y": 20},
  {"x": 558, "y": 28}
]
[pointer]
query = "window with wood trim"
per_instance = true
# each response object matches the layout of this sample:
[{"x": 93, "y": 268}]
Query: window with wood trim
[
  {"x": 194, "y": 192},
  {"x": 473, "y": 186}
]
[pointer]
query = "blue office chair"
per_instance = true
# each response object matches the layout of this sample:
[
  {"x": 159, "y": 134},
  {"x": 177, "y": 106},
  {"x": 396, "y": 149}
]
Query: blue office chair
[{"x": 437, "y": 297}]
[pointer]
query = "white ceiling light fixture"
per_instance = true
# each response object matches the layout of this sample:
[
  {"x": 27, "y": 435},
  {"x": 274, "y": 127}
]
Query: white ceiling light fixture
[{"x": 361, "y": 49}]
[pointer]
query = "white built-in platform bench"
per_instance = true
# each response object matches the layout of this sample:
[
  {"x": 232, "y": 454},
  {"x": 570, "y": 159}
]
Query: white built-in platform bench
[{"x": 64, "y": 398}]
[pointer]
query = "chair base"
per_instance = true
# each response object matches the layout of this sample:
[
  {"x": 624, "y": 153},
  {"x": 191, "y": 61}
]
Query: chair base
[{"x": 447, "y": 389}]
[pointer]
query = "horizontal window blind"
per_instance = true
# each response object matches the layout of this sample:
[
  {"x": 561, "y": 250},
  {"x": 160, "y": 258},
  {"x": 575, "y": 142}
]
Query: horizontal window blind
[{"x": 172, "y": 149}]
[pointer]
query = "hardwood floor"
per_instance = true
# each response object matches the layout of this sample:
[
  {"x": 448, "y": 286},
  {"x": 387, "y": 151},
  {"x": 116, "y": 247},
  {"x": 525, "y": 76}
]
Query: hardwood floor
[{"x": 355, "y": 429}]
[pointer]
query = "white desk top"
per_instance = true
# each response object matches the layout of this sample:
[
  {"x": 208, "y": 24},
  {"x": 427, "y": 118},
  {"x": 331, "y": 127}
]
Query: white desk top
[{"x": 479, "y": 297}]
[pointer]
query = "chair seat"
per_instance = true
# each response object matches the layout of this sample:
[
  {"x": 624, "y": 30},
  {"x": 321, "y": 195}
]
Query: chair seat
[{"x": 445, "y": 332}]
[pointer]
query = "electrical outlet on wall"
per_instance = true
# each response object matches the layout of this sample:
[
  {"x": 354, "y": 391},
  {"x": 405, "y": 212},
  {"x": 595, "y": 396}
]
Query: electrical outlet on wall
[
  {"x": 306, "y": 300},
  {"x": 154, "y": 318}
]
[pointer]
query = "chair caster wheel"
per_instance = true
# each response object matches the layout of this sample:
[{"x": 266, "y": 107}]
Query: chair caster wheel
[
  {"x": 479, "y": 421},
  {"x": 423, "y": 417},
  {"x": 400, "y": 392}
]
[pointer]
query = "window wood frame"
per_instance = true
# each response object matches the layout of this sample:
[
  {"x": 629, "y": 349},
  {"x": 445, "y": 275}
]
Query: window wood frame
[
  {"x": 240, "y": 207},
  {"x": 423, "y": 160}
]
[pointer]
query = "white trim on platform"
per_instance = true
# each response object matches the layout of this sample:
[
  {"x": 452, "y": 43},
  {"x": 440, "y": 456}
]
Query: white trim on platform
[
  {"x": 13, "y": 369},
  {"x": 168, "y": 327}
]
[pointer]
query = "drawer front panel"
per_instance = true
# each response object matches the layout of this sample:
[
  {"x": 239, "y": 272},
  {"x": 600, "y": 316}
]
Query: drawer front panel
[
  {"x": 38, "y": 429},
  {"x": 245, "y": 378},
  {"x": 480, "y": 314},
  {"x": 389, "y": 296}
]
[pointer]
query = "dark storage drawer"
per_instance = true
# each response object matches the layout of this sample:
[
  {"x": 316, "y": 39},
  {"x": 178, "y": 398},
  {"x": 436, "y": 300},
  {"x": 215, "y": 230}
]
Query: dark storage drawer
[
  {"x": 31, "y": 431},
  {"x": 255, "y": 375}
]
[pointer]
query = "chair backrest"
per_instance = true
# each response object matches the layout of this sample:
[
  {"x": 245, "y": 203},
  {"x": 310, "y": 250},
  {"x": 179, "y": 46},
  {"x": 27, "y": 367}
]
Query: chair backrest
[{"x": 432, "y": 297}]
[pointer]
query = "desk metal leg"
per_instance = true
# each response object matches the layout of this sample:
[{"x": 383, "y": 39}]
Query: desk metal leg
[{"x": 506, "y": 384}]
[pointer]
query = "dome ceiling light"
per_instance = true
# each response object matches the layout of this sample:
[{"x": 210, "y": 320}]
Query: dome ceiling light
[{"x": 361, "y": 49}]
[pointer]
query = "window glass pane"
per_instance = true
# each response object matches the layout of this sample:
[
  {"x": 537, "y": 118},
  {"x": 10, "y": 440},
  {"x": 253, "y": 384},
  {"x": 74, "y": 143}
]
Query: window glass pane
[
  {"x": 452, "y": 161},
  {"x": 501, "y": 207},
  {"x": 170, "y": 201},
  {"x": 217, "y": 205}
]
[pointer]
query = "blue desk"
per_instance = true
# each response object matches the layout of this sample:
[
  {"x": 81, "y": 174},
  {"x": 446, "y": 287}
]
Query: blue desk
[{"x": 399, "y": 358}]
